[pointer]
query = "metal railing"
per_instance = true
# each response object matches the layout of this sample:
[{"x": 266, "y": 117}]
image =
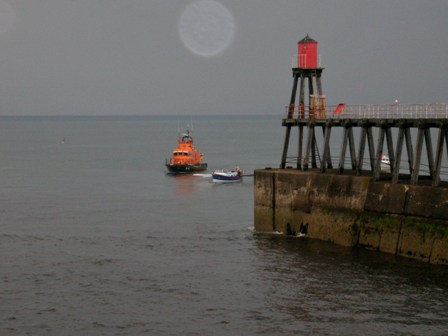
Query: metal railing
[{"x": 385, "y": 111}]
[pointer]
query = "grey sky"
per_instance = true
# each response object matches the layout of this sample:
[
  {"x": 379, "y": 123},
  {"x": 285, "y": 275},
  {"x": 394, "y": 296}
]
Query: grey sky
[{"x": 122, "y": 57}]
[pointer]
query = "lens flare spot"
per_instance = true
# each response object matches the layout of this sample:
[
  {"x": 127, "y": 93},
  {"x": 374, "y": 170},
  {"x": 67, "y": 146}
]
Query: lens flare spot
[{"x": 206, "y": 27}]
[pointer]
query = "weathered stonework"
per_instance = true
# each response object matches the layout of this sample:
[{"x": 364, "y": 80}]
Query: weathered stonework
[{"x": 406, "y": 220}]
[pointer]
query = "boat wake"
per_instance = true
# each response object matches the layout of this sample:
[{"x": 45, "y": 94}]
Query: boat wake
[{"x": 203, "y": 175}]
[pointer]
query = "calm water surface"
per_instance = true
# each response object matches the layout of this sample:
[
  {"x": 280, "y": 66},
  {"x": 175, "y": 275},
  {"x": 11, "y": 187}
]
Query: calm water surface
[{"x": 95, "y": 239}]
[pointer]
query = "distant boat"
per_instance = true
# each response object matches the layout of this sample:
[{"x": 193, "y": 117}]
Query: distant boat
[
  {"x": 185, "y": 157},
  {"x": 385, "y": 163},
  {"x": 224, "y": 176}
]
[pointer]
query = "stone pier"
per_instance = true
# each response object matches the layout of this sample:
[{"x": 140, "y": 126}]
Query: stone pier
[{"x": 403, "y": 219}]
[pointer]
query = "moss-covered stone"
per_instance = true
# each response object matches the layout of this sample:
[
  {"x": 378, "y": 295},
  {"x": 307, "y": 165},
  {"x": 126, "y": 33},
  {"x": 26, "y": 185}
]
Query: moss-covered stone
[{"x": 350, "y": 211}]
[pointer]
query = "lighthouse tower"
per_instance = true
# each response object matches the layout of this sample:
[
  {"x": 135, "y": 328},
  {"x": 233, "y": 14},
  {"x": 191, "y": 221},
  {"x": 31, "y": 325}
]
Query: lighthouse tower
[
  {"x": 306, "y": 68},
  {"x": 307, "y": 53}
]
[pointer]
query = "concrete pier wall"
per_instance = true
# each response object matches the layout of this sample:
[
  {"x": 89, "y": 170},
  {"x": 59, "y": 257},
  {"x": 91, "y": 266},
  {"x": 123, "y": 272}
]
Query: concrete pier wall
[{"x": 406, "y": 220}]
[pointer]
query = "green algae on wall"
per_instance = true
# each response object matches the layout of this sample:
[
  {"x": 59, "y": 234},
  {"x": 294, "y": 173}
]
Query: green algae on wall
[{"x": 356, "y": 212}]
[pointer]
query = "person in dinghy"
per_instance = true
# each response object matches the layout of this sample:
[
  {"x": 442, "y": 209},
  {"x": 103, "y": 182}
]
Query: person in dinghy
[{"x": 234, "y": 175}]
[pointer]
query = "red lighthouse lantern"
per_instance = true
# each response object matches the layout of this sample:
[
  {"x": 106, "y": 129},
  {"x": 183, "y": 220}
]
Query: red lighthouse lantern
[{"x": 307, "y": 51}]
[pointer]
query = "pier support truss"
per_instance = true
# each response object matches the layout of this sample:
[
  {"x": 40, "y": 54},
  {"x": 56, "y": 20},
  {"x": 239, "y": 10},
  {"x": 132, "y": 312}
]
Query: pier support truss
[{"x": 368, "y": 132}]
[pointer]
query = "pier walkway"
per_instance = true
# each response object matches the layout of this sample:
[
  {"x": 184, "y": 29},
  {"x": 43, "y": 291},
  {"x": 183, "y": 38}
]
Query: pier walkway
[{"x": 393, "y": 124}]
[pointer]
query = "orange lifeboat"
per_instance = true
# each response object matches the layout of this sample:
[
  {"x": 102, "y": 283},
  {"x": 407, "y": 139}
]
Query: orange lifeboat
[{"x": 186, "y": 158}]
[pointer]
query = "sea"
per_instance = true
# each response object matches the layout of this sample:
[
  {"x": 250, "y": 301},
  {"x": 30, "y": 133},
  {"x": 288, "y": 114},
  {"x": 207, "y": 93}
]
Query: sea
[{"x": 97, "y": 239}]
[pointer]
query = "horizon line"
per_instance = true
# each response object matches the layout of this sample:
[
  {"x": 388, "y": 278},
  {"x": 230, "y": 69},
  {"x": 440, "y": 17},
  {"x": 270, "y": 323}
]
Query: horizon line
[{"x": 135, "y": 115}]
